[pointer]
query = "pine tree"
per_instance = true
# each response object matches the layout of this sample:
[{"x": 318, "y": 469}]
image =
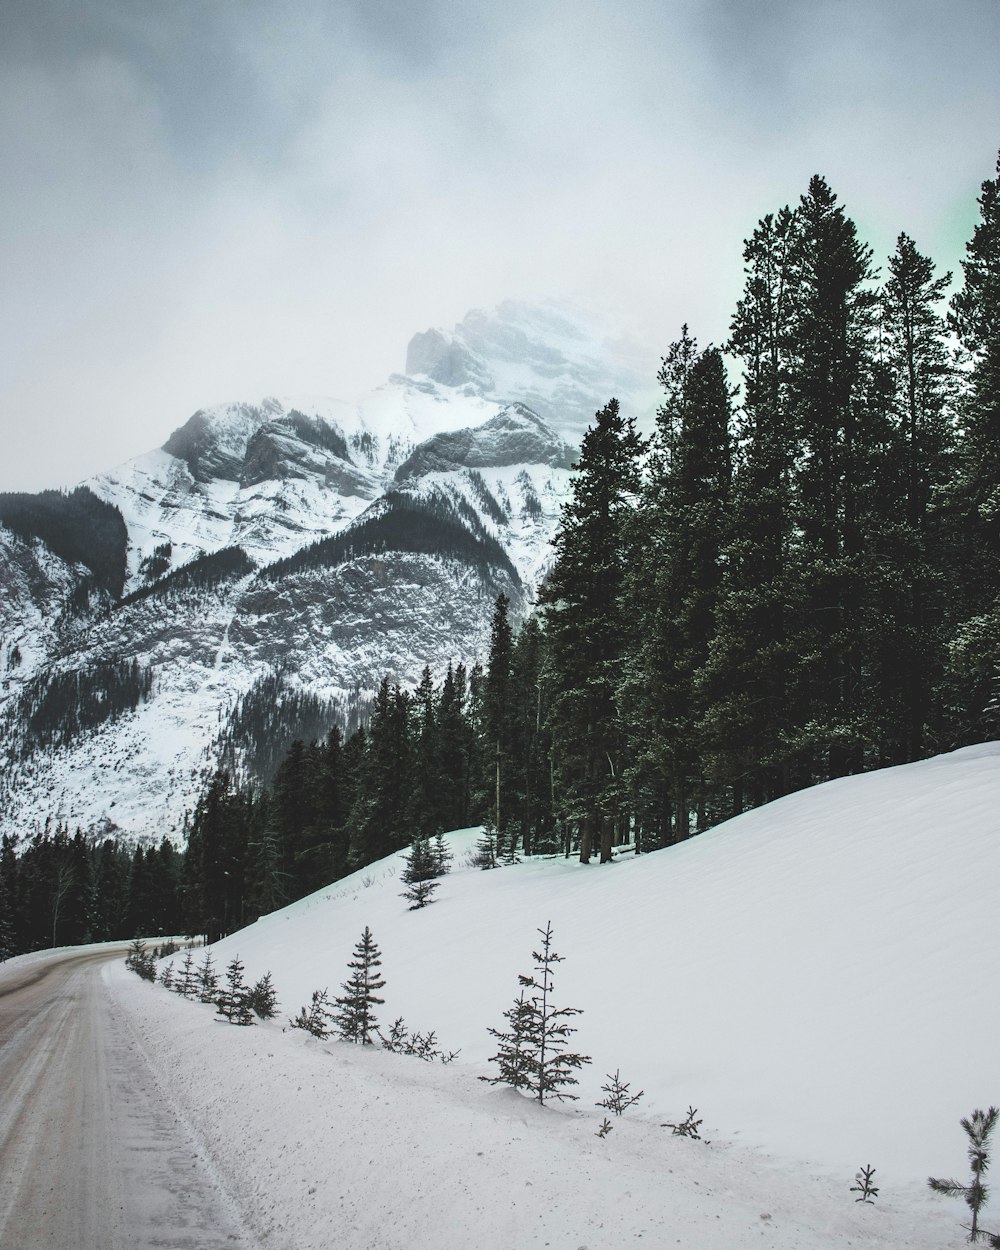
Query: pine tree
[
  {"x": 975, "y": 318},
  {"x": 8, "y": 877},
  {"x": 420, "y": 868},
  {"x": 186, "y": 982},
  {"x": 442, "y": 855},
  {"x": 672, "y": 586},
  {"x": 978, "y": 1128},
  {"x": 533, "y": 1055},
  {"x": 456, "y": 749},
  {"x": 262, "y": 998},
  {"x": 617, "y": 1097},
  {"x": 499, "y": 723},
  {"x": 585, "y": 633},
  {"x": 378, "y": 815},
  {"x": 742, "y": 688},
  {"x": 514, "y": 1056},
  {"x": 355, "y": 1018},
  {"x": 530, "y": 778},
  {"x": 317, "y": 1017},
  {"x": 208, "y": 979},
  {"x": 840, "y": 435},
  {"x": 232, "y": 1001},
  {"x": 913, "y": 550},
  {"x": 423, "y": 811},
  {"x": 864, "y": 1184}
]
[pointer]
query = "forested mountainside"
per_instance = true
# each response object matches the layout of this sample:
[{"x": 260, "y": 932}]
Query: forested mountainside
[
  {"x": 752, "y": 600},
  {"x": 304, "y": 547},
  {"x": 775, "y": 587}
]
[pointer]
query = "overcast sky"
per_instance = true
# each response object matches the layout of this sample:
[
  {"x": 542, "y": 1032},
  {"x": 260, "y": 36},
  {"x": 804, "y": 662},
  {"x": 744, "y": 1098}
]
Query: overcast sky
[{"x": 215, "y": 199}]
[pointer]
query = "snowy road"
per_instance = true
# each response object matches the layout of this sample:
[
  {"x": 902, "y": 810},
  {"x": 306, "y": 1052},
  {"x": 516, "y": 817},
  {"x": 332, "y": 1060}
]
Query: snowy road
[{"x": 93, "y": 1155}]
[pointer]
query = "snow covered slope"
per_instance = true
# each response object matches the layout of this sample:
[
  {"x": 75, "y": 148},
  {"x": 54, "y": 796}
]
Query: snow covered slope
[
  {"x": 221, "y": 597},
  {"x": 816, "y": 977}
]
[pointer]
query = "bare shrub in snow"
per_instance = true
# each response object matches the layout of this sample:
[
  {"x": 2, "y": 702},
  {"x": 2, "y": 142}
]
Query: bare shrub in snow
[
  {"x": 688, "y": 1127},
  {"x": 401, "y": 1041}
]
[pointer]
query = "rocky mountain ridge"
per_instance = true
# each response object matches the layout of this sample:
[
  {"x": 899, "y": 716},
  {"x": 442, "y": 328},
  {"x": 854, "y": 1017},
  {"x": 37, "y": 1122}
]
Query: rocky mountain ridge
[{"x": 291, "y": 550}]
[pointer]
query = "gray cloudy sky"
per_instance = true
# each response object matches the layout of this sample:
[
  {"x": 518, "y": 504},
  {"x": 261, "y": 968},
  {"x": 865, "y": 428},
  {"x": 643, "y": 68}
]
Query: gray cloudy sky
[{"x": 215, "y": 199}]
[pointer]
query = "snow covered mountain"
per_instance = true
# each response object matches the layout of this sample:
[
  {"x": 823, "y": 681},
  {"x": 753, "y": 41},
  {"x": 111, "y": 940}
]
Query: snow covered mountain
[{"x": 301, "y": 547}]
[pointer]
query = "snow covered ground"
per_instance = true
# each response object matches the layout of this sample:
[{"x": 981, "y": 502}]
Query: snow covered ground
[{"x": 818, "y": 978}]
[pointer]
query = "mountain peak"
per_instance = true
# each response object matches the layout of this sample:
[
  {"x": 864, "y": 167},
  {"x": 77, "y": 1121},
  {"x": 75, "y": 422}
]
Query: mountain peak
[{"x": 561, "y": 360}]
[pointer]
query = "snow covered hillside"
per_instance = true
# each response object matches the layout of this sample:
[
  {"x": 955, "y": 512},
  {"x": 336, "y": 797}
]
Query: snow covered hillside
[{"x": 816, "y": 977}]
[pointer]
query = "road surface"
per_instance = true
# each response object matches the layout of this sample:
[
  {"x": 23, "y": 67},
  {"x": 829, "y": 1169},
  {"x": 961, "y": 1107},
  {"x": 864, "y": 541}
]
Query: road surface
[{"x": 93, "y": 1156}]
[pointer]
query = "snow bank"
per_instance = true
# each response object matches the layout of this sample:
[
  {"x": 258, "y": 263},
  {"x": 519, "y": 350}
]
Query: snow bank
[{"x": 817, "y": 977}]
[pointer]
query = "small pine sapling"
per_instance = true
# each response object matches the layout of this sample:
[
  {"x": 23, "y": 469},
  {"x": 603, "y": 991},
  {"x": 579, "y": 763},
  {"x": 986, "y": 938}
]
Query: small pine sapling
[
  {"x": 167, "y": 976},
  {"x": 317, "y": 1017},
  {"x": 186, "y": 982},
  {"x": 485, "y": 854},
  {"x": 140, "y": 960},
  {"x": 688, "y": 1127},
  {"x": 514, "y": 1055},
  {"x": 978, "y": 1128},
  {"x": 617, "y": 1097},
  {"x": 232, "y": 1002},
  {"x": 533, "y": 1055},
  {"x": 355, "y": 1020},
  {"x": 419, "y": 871},
  {"x": 507, "y": 848},
  {"x": 262, "y": 999},
  {"x": 606, "y": 1127},
  {"x": 208, "y": 979},
  {"x": 864, "y": 1185}
]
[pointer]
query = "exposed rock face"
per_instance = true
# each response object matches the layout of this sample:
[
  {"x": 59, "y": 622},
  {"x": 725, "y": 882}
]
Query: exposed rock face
[
  {"x": 515, "y": 435},
  {"x": 213, "y": 448},
  {"x": 446, "y": 361}
]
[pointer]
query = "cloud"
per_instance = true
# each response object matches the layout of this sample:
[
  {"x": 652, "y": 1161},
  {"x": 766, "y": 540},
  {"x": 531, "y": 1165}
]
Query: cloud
[{"x": 228, "y": 200}]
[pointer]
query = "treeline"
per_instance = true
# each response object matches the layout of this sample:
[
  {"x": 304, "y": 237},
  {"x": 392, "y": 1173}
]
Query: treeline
[
  {"x": 77, "y": 526},
  {"x": 437, "y": 525},
  {"x": 202, "y": 573},
  {"x": 758, "y": 597},
  {"x": 422, "y": 764},
  {"x": 58, "y": 889},
  {"x": 264, "y": 721},
  {"x": 767, "y": 596},
  {"x": 53, "y": 708}
]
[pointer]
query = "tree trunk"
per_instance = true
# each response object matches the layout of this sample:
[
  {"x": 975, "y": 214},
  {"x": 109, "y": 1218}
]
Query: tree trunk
[
  {"x": 587, "y": 838},
  {"x": 606, "y": 827}
]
